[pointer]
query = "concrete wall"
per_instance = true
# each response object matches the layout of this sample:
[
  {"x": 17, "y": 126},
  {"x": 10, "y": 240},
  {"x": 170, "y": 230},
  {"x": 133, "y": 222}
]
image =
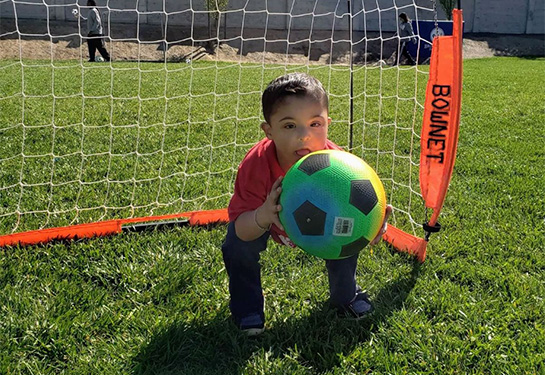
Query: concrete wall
[
  {"x": 504, "y": 16},
  {"x": 481, "y": 16}
]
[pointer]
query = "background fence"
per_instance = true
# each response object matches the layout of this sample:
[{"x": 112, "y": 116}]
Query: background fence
[{"x": 481, "y": 16}]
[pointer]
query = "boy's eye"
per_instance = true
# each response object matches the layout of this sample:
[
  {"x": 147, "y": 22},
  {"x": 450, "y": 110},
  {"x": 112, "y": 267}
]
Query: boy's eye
[
  {"x": 289, "y": 126},
  {"x": 315, "y": 124}
]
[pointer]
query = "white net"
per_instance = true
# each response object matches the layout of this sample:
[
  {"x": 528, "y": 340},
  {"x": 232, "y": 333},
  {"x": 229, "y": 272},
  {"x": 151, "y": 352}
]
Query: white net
[{"x": 161, "y": 128}]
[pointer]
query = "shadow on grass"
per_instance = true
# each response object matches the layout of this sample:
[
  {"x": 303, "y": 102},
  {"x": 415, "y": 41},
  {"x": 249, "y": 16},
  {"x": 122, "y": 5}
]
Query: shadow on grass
[{"x": 217, "y": 347}]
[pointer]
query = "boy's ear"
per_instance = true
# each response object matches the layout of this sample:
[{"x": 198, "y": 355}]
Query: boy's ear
[
  {"x": 328, "y": 121},
  {"x": 266, "y": 128}
]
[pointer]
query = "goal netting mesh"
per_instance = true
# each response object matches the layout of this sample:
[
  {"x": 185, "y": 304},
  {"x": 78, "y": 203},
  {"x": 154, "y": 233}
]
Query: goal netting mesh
[{"x": 161, "y": 129}]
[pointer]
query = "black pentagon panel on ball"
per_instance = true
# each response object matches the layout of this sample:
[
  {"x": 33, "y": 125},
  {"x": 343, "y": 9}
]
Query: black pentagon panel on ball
[
  {"x": 314, "y": 163},
  {"x": 363, "y": 195},
  {"x": 353, "y": 247},
  {"x": 310, "y": 219}
]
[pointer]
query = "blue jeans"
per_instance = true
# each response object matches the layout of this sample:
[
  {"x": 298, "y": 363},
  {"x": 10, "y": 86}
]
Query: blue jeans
[{"x": 241, "y": 260}]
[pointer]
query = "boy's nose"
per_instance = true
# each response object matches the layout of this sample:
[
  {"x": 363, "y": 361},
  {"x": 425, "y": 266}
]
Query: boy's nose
[{"x": 304, "y": 134}]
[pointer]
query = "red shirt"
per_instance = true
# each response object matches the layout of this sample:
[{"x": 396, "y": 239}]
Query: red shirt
[{"x": 255, "y": 177}]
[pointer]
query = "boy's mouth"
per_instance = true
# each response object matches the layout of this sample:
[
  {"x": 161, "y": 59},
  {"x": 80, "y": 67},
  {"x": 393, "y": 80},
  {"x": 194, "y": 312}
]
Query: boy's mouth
[{"x": 302, "y": 152}]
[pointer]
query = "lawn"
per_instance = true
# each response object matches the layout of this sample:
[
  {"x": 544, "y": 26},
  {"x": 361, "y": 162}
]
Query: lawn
[
  {"x": 156, "y": 302},
  {"x": 97, "y": 142}
]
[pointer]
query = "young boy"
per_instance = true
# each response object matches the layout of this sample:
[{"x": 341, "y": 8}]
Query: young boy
[
  {"x": 95, "y": 40},
  {"x": 295, "y": 108}
]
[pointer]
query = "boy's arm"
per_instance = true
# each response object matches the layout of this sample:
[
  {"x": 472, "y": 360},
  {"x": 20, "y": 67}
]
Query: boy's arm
[
  {"x": 252, "y": 224},
  {"x": 77, "y": 14}
]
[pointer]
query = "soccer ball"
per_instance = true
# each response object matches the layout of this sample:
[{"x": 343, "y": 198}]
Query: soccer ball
[
  {"x": 333, "y": 204},
  {"x": 99, "y": 59},
  {"x": 75, "y": 12}
]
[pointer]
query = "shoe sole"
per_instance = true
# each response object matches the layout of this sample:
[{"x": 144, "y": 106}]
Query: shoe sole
[{"x": 253, "y": 331}]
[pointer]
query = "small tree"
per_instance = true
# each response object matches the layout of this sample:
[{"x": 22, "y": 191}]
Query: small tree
[
  {"x": 214, "y": 8},
  {"x": 448, "y": 6}
]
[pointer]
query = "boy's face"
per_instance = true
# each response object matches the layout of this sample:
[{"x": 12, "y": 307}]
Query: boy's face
[{"x": 297, "y": 128}]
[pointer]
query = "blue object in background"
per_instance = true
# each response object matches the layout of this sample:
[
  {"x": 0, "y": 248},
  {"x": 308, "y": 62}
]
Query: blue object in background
[{"x": 425, "y": 32}]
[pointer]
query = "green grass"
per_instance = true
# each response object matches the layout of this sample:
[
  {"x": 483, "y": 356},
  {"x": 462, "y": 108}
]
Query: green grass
[
  {"x": 156, "y": 303},
  {"x": 95, "y": 142}
]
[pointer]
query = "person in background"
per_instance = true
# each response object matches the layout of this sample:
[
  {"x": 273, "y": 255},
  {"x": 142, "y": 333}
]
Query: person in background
[
  {"x": 406, "y": 34},
  {"x": 95, "y": 36}
]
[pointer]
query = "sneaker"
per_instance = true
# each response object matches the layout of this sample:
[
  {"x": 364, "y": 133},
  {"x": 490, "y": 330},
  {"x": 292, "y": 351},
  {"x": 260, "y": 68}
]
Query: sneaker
[
  {"x": 360, "y": 307},
  {"x": 252, "y": 325}
]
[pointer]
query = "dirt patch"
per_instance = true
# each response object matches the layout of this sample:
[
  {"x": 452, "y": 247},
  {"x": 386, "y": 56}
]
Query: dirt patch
[
  {"x": 488, "y": 45},
  {"x": 63, "y": 41}
]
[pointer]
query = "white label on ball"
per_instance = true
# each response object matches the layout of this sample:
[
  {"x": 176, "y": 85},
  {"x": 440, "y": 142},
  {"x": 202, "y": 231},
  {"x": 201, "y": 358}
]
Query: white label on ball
[{"x": 343, "y": 226}]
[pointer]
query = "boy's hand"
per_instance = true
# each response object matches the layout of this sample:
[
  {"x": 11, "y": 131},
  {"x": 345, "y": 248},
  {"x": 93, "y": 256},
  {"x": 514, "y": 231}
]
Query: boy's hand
[
  {"x": 267, "y": 214},
  {"x": 387, "y": 214}
]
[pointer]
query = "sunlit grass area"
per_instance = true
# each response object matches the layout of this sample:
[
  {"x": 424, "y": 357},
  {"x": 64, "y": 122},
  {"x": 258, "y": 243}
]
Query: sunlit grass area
[
  {"x": 98, "y": 141},
  {"x": 157, "y": 302}
]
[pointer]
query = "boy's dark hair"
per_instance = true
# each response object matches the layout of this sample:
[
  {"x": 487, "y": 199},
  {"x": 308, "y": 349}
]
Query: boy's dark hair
[
  {"x": 404, "y": 17},
  {"x": 292, "y": 84}
]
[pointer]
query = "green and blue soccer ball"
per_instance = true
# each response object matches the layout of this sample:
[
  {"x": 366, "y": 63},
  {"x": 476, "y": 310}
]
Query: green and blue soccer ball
[{"x": 333, "y": 204}]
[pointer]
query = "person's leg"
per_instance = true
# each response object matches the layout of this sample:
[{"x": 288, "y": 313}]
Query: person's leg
[
  {"x": 92, "y": 49},
  {"x": 346, "y": 296},
  {"x": 101, "y": 46},
  {"x": 342, "y": 280},
  {"x": 407, "y": 55},
  {"x": 241, "y": 260}
]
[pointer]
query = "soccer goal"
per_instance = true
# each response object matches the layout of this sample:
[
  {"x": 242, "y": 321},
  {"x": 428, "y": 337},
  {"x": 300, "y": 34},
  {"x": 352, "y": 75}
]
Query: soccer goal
[{"x": 156, "y": 134}]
